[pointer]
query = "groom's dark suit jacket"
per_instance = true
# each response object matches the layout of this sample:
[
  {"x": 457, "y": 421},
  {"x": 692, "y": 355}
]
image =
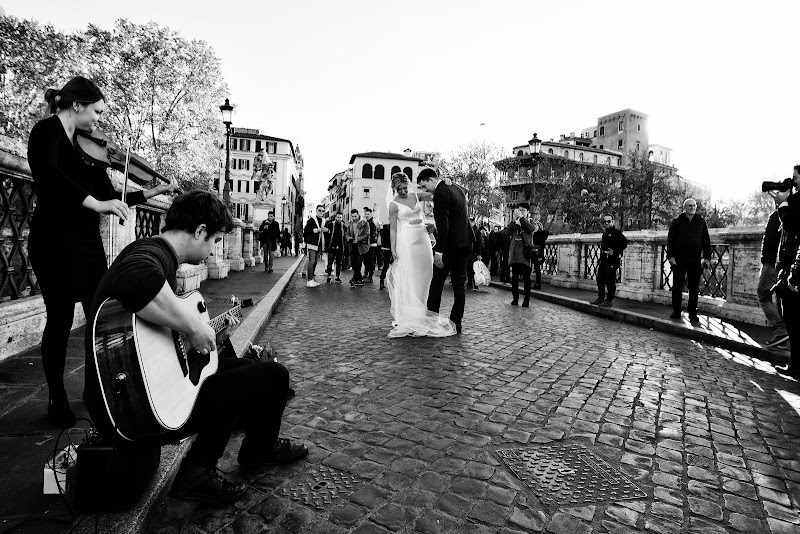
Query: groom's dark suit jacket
[{"x": 453, "y": 230}]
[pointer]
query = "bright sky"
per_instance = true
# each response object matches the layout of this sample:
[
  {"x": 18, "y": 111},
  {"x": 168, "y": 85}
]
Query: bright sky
[{"x": 718, "y": 79}]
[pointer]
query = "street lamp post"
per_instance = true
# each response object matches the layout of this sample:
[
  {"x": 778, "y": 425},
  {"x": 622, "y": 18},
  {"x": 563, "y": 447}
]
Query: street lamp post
[
  {"x": 227, "y": 111},
  {"x": 534, "y": 146},
  {"x": 283, "y": 212}
]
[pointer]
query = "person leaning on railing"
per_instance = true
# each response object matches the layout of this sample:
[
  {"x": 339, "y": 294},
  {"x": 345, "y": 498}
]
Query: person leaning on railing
[
  {"x": 64, "y": 245},
  {"x": 788, "y": 266}
]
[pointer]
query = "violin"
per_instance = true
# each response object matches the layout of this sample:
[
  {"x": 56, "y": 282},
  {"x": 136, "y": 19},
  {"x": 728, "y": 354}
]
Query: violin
[{"x": 98, "y": 150}]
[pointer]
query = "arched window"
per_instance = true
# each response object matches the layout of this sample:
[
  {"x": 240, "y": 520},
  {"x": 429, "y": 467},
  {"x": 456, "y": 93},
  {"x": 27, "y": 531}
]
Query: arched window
[
  {"x": 519, "y": 153},
  {"x": 650, "y": 155},
  {"x": 366, "y": 171},
  {"x": 550, "y": 151},
  {"x": 378, "y": 172},
  {"x": 566, "y": 154},
  {"x": 408, "y": 172},
  {"x": 580, "y": 156},
  {"x": 395, "y": 169}
]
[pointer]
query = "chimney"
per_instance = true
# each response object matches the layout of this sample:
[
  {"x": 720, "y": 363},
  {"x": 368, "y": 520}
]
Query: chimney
[{"x": 407, "y": 152}]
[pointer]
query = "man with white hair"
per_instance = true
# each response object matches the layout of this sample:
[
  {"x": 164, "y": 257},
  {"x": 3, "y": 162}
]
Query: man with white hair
[{"x": 687, "y": 242}]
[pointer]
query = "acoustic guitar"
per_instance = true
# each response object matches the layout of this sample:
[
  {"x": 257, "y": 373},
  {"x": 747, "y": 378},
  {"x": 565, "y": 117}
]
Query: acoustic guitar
[{"x": 148, "y": 378}]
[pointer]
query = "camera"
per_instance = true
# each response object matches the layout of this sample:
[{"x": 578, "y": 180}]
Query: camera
[{"x": 785, "y": 185}]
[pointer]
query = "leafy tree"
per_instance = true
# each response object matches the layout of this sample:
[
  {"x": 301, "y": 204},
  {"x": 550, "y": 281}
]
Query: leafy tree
[
  {"x": 32, "y": 59},
  {"x": 163, "y": 93},
  {"x": 472, "y": 168},
  {"x": 652, "y": 193},
  {"x": 162, "y": 90}
]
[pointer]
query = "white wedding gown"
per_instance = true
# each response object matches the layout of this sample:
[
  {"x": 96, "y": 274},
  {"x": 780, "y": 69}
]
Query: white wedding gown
[{"x": 409, "y": 278}]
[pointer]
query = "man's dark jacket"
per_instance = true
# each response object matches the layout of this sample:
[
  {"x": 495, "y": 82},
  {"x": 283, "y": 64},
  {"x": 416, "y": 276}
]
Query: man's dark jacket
[
  {"x": 452, "y": 222},
  {"x": 788, "y": 252},
  {"x": 688, "y": 239},
  {"x": 270, "y": 234},
  {"x": 612, "y": 239},
  {"x": 771, "y": 239},
  {"x": 336, "y": 239}
]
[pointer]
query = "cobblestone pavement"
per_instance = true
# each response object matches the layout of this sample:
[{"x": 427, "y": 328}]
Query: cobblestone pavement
[{"x": 407, "y": 431}]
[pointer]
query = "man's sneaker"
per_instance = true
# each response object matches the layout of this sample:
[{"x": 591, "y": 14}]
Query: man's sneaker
[
  {"x": 777, "y": 340},
  {"x": 282, "y": 452},
  {"x": 329, "y": 279},
  {"x": 693, "y": 318},
  {"x": 605, "y": 304},
  {"x": 311, "y": 283},
  {"x": 597, "y": 301},
  {"x": 338, "y": 280},
  {"x": 358, "y": 283},
  {"x": 195, "y": 483}
]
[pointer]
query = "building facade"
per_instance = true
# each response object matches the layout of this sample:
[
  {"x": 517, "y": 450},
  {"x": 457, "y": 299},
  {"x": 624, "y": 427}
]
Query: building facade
[
  {"x": 266, "y": 174},
  {"x": 367, "y": 181},
  {"x": 623, "y": 131}
]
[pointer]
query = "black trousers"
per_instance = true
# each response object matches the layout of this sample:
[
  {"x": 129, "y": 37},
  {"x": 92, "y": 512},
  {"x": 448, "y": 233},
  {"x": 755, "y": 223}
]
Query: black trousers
[
  {"x": 455, "y": 264},
  {"x": 606, "y": 280},
  {"x": 387, "y": 260},
  {"x": 334, "y": 255},
  {"x": 537, "y": 268},
  {"x": 369, "y": 261},
  {"x": 521, "y": 270},
  {"x": 492, "y": 263},
  {"x": 791, "y": 318},
  {"x": 505, "y": 275},
  {"x": 240, "y": 388},
  {"x": 356, "y": 259},
  {"x": 689, "y": 271}
]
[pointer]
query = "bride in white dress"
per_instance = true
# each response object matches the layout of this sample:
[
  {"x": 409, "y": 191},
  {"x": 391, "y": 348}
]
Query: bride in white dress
[{"x": 409, "y": 276}]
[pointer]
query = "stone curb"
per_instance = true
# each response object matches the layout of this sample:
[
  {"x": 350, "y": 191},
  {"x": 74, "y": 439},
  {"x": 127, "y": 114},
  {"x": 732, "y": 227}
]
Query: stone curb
[
  {"x": 662, "y": 325},
  {"x": 137, "y": 520}
]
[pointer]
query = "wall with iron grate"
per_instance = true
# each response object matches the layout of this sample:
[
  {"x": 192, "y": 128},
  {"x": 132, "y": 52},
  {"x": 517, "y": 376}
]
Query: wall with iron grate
[{"x": 728, "y": 289}]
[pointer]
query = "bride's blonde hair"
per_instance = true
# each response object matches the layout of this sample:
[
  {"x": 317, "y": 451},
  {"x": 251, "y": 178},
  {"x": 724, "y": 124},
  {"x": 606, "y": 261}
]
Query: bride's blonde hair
[{"x": 398, "y": 178}]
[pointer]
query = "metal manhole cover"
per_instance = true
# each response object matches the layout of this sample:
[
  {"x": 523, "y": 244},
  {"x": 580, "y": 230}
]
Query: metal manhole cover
[
  {"x": 325, "y": 485},
  {"x": 569, "y": 475}
]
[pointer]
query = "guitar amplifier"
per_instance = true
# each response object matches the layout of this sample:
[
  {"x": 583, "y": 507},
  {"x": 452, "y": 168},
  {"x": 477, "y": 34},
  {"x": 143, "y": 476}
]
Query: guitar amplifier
[{"x": 112, "y": 478}]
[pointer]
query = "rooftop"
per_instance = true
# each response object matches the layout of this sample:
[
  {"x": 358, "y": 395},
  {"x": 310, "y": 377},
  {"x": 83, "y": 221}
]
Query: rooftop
[{"x": 382, "y": 155}]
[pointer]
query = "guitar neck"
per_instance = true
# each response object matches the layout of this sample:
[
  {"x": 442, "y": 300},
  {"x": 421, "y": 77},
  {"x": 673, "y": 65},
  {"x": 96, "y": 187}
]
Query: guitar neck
[{"x": 219, "y": 322}]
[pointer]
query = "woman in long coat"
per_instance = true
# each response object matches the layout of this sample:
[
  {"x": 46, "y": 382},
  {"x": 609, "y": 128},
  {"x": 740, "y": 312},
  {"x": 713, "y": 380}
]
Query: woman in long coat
[{"x": 520, "y": 232}]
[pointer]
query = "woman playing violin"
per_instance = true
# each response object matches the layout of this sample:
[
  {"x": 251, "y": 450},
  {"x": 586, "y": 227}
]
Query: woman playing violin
[{"x": 64, "y": 245}]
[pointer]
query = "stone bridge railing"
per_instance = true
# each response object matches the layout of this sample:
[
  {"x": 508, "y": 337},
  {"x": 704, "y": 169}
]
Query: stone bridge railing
[
  {"x": 728, "y": 289},
  {"x": 22, "y": 312}
]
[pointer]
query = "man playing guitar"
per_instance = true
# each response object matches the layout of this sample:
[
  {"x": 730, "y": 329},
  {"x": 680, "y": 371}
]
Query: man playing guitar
[{"x": 143, "y": 280}]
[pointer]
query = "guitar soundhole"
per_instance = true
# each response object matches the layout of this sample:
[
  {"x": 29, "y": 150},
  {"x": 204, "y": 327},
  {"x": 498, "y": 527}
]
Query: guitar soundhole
[{"x": 201, "y": 306}]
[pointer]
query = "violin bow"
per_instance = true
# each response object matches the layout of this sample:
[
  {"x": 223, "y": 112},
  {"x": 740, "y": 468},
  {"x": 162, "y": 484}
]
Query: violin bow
[{"x": 125, "y": 183}]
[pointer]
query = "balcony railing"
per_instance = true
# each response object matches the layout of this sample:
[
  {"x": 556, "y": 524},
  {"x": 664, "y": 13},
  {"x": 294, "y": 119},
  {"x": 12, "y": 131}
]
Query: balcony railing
[
  {"x": 18, "y": 200},
  {"x": 713, "y": 282}
]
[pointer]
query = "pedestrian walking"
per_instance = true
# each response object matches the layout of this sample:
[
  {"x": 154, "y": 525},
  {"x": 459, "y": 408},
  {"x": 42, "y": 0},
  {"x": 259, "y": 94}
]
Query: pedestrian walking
[
  {"x": 687, "y": 243},
  {"x": 612, "y": 244},
  {"x": 370, "y": 256},
  {"x": 314, "y": 237},
  {"x": 286, "y": 242},
  {"x": 767, "y": 278},
  {"x": 386, "y": 252},
  {"x": 520, "y": 235},
  {"x": 337, "y": 242},
  {"x": 358, "y": 237},
  {"x": 269, "y": 237},
  {"x": 788, "y": 286}
]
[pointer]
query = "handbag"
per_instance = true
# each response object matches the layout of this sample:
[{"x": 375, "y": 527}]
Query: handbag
[{"x": 482, "y": 275}]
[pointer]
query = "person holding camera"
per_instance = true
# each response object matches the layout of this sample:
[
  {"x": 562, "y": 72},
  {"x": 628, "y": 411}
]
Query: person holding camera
[
  {"x": 767, "y": 279},
  {"x": 520, "y": 234},
  {"x": 788, "y": 266},
  {"x": 687, "y": 241},
  {"x": 612, "y": 244}
]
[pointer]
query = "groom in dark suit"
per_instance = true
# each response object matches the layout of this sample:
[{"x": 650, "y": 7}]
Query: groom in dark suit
[{"x": 453, "y": 242}]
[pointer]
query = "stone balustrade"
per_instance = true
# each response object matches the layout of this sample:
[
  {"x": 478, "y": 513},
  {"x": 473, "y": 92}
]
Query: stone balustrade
[
  {"x": 728, "y": 290},
  {"x": 22, "y": 312}
]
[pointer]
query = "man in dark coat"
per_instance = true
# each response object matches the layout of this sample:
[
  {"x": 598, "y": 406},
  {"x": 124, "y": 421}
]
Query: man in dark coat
[
  {"x": 453, "y": 242},
  {"x": 336, "y": 246},
  {"x": 767, "y": 278},
  {"x": 476, "y": 255},
  {"x": 788, "y": 286},
  {"x": 268, "y": 238},
  {"x": 687, "y": 242},
  {"x": 612, "y": 243}
]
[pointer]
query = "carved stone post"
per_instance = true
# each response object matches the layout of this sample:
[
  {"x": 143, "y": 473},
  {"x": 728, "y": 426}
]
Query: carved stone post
[
  {"x": 247, "y": 244},
  {"x": 217, "y": 264},
  {"x": 233, "y": 246},
  {"x": 258, "y": 257}
]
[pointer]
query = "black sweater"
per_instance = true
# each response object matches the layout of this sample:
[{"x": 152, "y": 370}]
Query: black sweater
[
  {"x": 688, "y": 239},
  {"x": 612, "y": 239}
]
